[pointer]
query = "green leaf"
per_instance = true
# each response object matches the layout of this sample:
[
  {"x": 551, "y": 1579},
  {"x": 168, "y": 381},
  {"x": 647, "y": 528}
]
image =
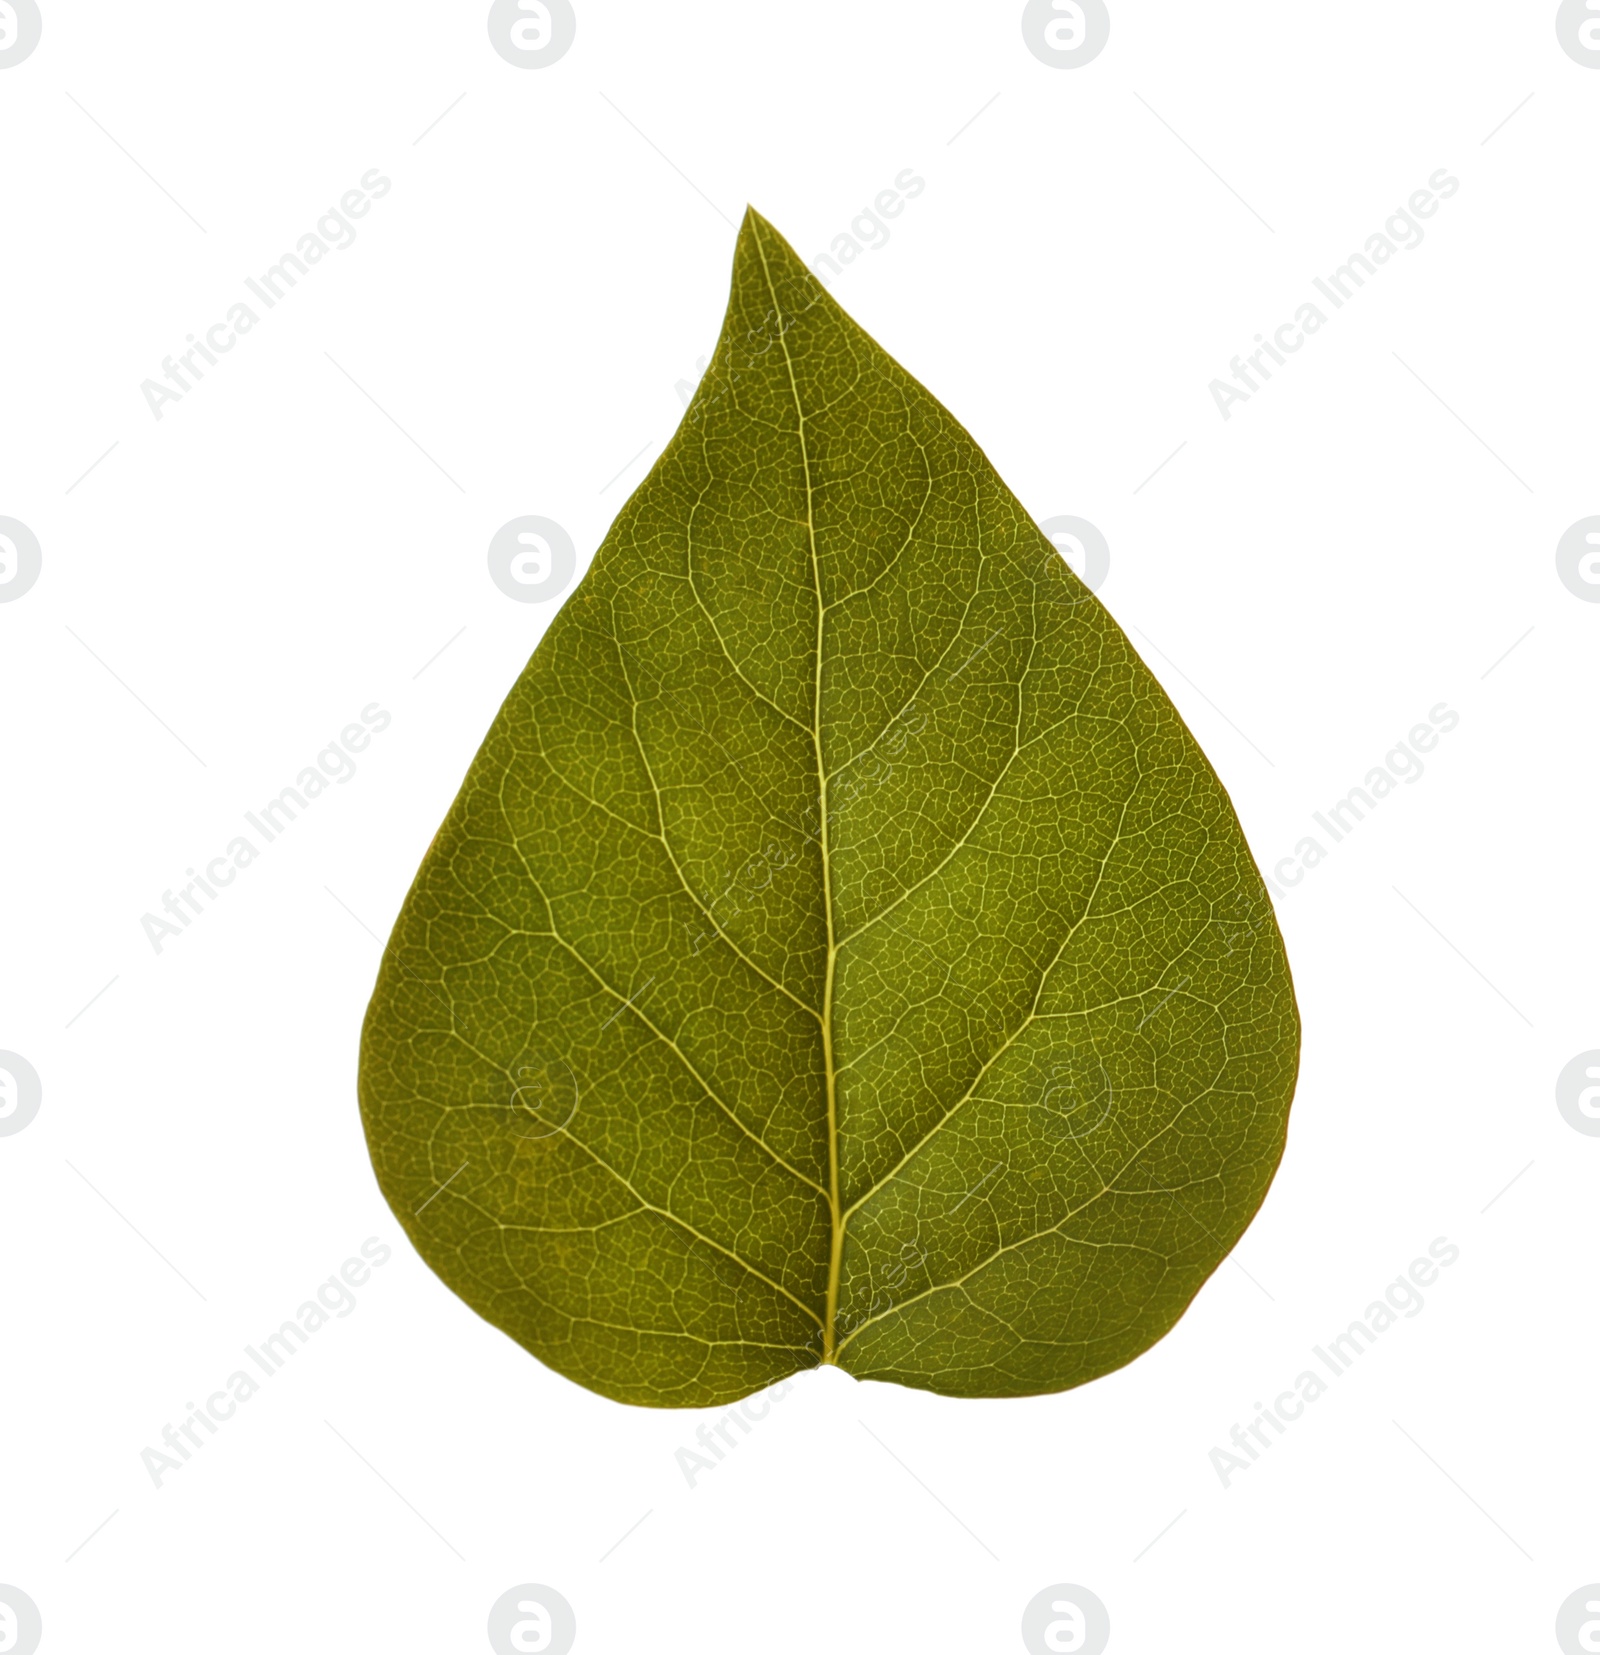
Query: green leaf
[{"x": 840, "y": 950}]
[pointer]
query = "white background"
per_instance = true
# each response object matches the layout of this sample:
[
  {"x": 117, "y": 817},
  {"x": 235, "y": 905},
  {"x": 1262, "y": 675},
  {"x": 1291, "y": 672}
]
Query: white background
[{"x": 231, "y": 584}]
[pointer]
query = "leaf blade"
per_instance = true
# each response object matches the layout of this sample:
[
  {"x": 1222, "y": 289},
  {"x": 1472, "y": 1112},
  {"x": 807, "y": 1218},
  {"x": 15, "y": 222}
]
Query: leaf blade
[{"x": 874, "y": 903}]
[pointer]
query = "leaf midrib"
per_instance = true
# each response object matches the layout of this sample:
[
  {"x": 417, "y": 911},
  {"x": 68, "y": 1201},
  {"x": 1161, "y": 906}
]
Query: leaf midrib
[{"x": 836, "y": 1220}]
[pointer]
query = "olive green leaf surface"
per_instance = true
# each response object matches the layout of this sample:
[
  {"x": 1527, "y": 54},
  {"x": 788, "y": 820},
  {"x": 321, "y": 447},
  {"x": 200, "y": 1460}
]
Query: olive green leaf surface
[{"x": 840, "y": 951}]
